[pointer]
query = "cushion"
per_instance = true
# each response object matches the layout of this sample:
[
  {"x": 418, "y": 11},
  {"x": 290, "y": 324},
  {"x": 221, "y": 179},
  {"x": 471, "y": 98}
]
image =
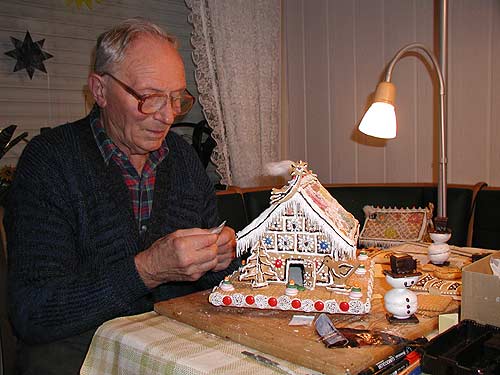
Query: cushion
[{"x": 386, "y": 227}]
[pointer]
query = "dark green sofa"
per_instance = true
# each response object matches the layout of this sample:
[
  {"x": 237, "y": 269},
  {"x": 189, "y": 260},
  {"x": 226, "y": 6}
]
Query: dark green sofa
[
  {"x": 485, "y": 230},
  {"x": 473, "y": 211}
]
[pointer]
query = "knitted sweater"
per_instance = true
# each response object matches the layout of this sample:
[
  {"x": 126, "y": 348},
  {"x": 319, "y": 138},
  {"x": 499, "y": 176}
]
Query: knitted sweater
[{"x": 72, "y": 236}]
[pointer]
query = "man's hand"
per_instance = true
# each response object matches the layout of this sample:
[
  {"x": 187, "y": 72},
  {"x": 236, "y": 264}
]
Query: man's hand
[
  {"x": 185, "y": 255},
  {"x": 226, "y": 243}
]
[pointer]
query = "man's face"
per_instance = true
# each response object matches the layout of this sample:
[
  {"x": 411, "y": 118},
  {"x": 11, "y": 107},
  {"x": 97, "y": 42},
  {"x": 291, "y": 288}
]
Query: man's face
[{"x": 151, "y": 65}]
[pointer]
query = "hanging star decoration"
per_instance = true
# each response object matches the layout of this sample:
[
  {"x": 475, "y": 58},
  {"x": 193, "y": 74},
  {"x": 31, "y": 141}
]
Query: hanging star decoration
[
  {"x": 79, "y": 3},
  {"x": 29, "y": 54}
]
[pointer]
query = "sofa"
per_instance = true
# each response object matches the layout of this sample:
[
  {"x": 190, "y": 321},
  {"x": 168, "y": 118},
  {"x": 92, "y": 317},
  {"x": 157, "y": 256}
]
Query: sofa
[{"x": 473, "y": 210}]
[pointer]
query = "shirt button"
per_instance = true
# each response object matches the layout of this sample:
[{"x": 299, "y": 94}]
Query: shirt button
[{"x": 144, "y": 228}]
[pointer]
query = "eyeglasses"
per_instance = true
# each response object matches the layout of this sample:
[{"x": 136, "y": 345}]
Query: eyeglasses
[{"x": 181, "y": 101}]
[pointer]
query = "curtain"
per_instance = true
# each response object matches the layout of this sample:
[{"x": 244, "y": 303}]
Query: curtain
[{"x": 236, "y": 52}]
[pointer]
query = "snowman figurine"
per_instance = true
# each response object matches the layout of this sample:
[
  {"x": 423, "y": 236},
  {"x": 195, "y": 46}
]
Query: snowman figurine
[
  {"x": 439, "y": 250},
  {"x": 400, "y": 302}
]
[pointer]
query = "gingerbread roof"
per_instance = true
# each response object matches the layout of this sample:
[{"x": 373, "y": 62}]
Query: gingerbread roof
[{"x": 306, "y": 193}]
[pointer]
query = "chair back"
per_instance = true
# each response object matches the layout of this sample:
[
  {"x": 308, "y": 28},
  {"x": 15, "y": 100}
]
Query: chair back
[{"x": 199, "y": 136}]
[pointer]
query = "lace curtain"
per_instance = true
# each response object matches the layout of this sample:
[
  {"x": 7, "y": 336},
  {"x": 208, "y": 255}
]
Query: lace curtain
[{"x": 236, "y": 52}]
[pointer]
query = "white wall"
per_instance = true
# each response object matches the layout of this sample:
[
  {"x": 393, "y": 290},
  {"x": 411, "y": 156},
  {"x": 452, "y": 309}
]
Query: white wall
[
  {"x": 70, "y": 34},
  {"x": 336, "y": 52}
]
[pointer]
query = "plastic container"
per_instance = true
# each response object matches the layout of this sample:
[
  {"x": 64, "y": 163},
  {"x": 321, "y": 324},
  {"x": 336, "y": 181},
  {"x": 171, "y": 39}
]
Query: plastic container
[{"x": 467, "y": 348}]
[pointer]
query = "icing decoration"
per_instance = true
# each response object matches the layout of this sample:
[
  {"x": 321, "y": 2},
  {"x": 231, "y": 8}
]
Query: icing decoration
[
  {"x": 291, "y": 289},
  {"x": 355, "y": 293},
  {"x": 386, "y": 227},
  {"x": 319, "y": 305},
  {"x": 361, "y": 270},
  {"x": 226, "y": 285},
  {"x": 363, "y": 255}
]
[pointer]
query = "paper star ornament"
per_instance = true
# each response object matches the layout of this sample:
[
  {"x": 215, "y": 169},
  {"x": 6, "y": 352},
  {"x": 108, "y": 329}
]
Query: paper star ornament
[{"x": 29, "y": 54}]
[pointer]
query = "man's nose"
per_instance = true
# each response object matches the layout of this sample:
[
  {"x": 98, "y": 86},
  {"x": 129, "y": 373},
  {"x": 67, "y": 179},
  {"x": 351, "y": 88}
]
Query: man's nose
[{"x": 165, "y": 114}]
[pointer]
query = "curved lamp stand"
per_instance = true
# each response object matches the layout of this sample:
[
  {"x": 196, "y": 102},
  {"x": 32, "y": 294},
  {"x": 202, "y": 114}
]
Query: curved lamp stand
[{"x": 380, "y": 121}]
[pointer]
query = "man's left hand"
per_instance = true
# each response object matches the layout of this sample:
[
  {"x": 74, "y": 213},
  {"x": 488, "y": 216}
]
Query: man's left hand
[{"x": 226, "y": 243}]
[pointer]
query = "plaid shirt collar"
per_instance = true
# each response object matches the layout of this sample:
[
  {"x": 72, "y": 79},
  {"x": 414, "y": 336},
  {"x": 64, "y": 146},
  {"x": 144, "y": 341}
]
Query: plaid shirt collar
[
  {"x": 108, "y": 148},
  {"x": 141, "y": 187}
]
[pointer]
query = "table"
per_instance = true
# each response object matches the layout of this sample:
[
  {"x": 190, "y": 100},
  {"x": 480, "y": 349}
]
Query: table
[
  {"x": 269, "y": 331},
  {"x": 154, "y": 344},
  {"x": 178, "y": 341}
]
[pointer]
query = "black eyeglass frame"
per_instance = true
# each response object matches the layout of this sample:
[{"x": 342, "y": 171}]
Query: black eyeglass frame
[{"x": 142, "y": 98}]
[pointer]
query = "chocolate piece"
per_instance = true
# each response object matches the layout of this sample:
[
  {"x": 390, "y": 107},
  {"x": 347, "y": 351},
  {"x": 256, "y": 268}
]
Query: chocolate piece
[
  {"x": 441, "y": 224},
  {"x": 412, "y": 319},
  {"x": 403, "y": 264}
]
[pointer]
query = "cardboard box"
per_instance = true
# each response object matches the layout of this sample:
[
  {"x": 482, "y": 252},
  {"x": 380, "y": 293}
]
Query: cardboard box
[{"x": 481, "y": 292}]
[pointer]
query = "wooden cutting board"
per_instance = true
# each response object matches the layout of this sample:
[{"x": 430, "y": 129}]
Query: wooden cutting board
[{"x": 268, "y": 331}]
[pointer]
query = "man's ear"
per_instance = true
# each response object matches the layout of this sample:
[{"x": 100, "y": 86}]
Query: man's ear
[{"x": 97, "y": 88}]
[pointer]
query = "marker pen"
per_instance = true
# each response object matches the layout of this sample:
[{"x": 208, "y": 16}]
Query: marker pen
[
  {"x": 386, "y": 362},
  {"x": 400, "y": 366},
  {"x": 398, "y": 355}
]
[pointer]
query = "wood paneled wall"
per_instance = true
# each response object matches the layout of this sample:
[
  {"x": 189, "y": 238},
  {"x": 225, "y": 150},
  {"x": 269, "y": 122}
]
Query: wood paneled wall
[
  {"x": 70, "y": 34},
  {"x": 337, "y": 50}
]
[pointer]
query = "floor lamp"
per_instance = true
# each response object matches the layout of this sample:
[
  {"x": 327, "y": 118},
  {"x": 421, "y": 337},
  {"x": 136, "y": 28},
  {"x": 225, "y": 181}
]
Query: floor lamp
[{"x": 380, "y": 121}]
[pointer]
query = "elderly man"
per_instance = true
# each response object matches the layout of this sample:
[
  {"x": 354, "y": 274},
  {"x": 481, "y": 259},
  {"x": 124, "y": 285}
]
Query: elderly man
[{"x": 106, "y": 214}]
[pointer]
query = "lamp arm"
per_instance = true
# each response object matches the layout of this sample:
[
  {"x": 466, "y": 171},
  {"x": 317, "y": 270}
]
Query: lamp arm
[
  {"x": 428, "y": 53},
  {"x": 441, "y": 209}
]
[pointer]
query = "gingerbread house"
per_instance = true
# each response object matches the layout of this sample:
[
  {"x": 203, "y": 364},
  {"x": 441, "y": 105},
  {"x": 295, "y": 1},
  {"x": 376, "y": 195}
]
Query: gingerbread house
[{"x": 302, "y": 245}]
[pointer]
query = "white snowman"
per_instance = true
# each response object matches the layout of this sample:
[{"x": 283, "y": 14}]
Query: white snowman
[{"x": 401, "y": 302}]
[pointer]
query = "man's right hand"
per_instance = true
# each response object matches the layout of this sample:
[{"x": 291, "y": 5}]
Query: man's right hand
[{"x": 184, "y": 255}]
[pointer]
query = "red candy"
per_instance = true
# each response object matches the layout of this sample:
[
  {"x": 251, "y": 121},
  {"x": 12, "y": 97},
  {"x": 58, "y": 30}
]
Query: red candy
[
  {"x": 249, "y": 300},
  {"x": 344, "y": 306},
  {"x": 319, "y": 305},
  {"x": 272, "y": 302},
  {"x": 296, "y": 304},
  {"x": 227, "y": 300}
]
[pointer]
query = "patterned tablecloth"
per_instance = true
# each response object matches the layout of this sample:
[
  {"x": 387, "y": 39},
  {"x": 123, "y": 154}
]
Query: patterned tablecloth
[{"x": 153, "y": 344}]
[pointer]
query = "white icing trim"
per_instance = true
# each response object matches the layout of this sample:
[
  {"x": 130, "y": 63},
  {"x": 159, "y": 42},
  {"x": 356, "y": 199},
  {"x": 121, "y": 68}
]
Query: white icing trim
[{"x": 341, "y": 247}]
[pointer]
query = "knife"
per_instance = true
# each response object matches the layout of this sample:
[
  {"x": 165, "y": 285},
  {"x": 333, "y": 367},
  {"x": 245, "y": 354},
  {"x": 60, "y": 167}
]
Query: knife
[{"x": 269, "y": 362}]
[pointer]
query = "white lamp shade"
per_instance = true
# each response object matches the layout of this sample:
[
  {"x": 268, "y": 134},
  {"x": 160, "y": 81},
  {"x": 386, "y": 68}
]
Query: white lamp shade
[{"x": 379, "y": 121}]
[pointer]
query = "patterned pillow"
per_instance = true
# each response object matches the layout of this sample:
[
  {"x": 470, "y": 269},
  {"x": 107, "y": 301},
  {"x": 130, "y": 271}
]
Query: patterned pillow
[{"x": 386, "y": 227}]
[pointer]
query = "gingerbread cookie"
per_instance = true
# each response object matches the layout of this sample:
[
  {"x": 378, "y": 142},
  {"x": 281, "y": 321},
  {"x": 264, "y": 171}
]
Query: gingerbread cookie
[{"x": 443, "y": 273}]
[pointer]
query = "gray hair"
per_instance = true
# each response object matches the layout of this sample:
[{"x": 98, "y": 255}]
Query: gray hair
[{"x": 112, "y": 44}]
